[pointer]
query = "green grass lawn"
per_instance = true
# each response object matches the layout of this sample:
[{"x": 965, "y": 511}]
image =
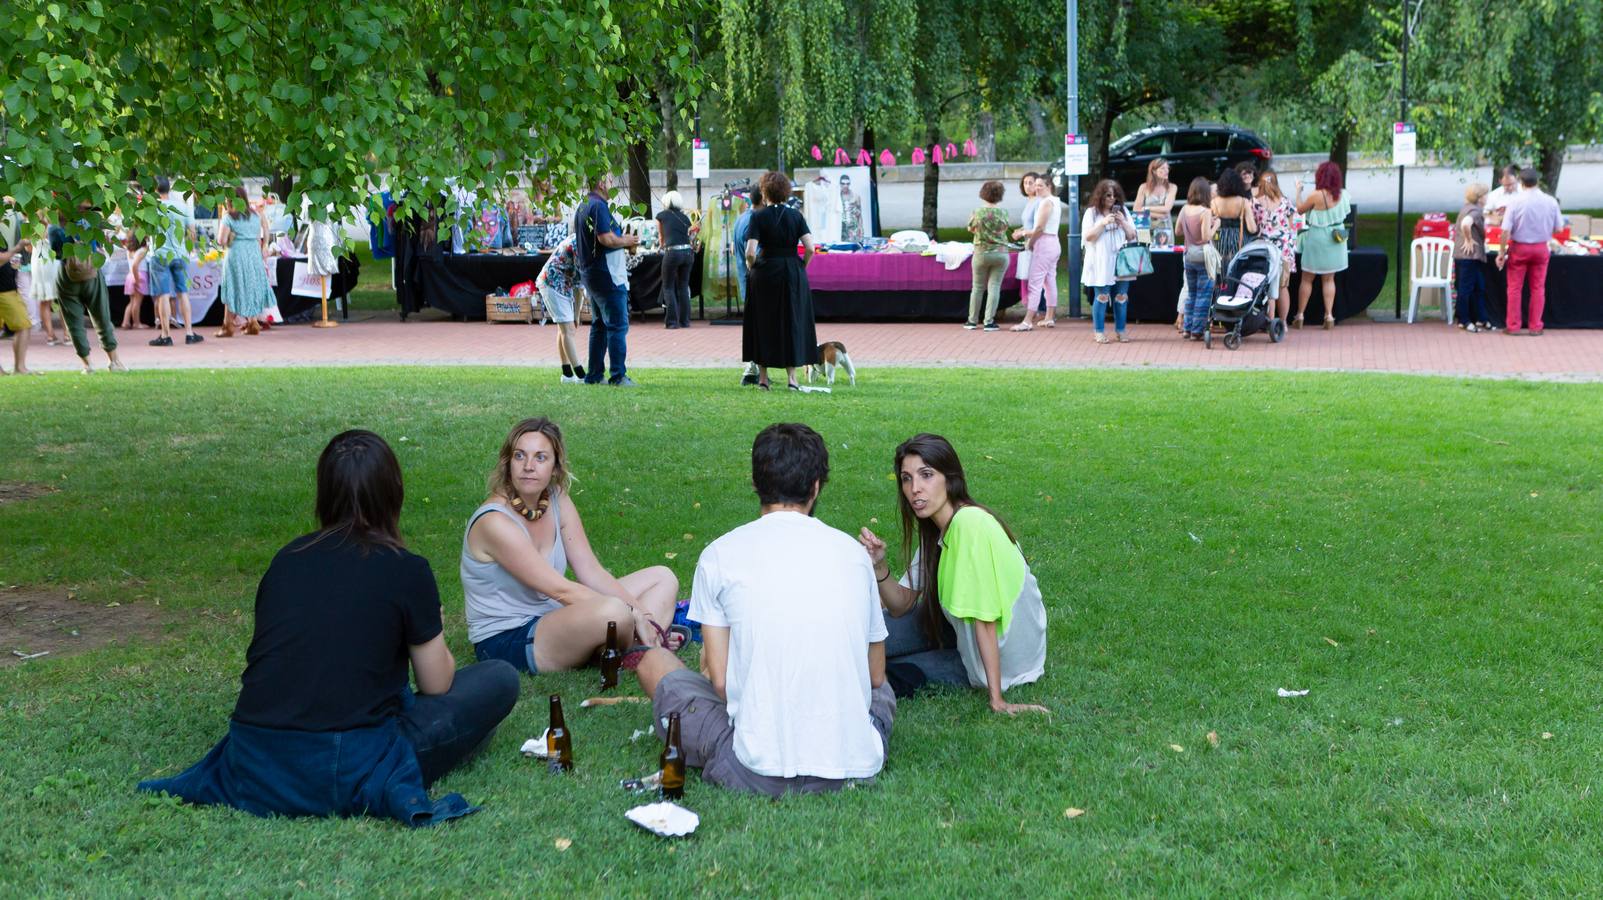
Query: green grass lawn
[{"x": 1421, "y": 554}]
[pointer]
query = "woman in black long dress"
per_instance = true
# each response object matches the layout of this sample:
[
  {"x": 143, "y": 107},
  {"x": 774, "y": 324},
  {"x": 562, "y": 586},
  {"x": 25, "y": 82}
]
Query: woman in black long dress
[{"x": 779, "y": 309}]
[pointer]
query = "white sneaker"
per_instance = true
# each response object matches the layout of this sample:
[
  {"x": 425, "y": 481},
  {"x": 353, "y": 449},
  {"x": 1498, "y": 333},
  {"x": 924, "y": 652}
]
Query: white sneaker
[{"x": 570, "y": 379}]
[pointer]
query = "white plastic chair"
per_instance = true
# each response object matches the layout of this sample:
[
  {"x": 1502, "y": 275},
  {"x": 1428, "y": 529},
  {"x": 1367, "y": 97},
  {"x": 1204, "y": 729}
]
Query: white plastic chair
[{"x": 1430, "y": 266}]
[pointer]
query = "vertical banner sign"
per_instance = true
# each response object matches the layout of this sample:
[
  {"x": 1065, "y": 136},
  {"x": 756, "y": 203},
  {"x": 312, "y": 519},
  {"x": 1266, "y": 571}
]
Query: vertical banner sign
[
  {"x": 700, "y": 159},
  {"x": 1404, "y": 145},
  {"x": 1076, "y": 154}
]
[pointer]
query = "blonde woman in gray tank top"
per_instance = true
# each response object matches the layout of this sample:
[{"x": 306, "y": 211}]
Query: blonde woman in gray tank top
[{"x": 520, "y": 543}]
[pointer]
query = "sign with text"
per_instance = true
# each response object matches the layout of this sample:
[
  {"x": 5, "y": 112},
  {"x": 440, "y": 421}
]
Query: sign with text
[
  {"x": 305, "y": 284},
  {"x": 700, "y": 159},
  {"x": 1404, "y": 144},
  {"x": 1076, "y": 154}
]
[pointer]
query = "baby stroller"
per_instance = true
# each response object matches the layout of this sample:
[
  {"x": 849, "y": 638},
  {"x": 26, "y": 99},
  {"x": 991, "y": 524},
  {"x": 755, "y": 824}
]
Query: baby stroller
[{"x": 1251, "y": 282}]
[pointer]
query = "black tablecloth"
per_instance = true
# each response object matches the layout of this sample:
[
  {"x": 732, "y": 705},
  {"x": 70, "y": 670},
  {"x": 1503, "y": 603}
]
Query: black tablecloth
[
  {"x": 1152, "y": 297},
  {"x": 289, "y": 305},
  {"x": 945, "y": 306},
  {"x": 1574, "y": 292},
  {"x": 457, "y": 283}
]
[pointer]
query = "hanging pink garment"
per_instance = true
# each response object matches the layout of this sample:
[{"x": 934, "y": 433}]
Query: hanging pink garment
[
  {"x": 918, "y": 156},
  {"x": 969, "y": 149},
  {"x": 841, "y": 159},
  {"x": 817, "y": 153},
  {"x": 936, "y": 156},
  {"x": 863, "y": 159},
  {"x": 886, "y": 157}
]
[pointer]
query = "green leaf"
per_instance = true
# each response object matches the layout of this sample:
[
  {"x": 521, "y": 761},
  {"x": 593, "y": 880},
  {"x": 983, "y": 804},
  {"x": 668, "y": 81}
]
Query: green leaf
[{"x": 487, "y": 92}]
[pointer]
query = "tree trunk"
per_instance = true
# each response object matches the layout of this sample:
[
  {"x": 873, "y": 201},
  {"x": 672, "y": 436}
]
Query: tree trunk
[
  {"x": 1037, "y": 119},
  {"x": 1339, "y": 145},
  {"x": 670, "y": 137},
  {"x": 640, "y": 177},
  {"x": 1550, "y": 162},
  {"x": 932, "y": 180},
  {"x": 985, "y": 136},
  {"x": 281, "y": 183}
]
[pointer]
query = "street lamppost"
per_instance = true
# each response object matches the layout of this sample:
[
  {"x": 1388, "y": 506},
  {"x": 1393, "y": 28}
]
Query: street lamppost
[{"x": 1073, "y": 181}]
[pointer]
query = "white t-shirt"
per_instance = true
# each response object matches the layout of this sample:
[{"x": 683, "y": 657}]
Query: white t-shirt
[
  {"x": 1498, "y": 198},
  {"x": 800, "y": 603},
  {"x": 1101, "y": 255},
  {"x": 1021, "y": 649}
]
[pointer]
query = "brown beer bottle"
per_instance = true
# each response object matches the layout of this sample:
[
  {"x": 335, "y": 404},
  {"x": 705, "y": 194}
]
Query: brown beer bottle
[
  {"x": 558, "y": 743},
  {"x": 610, "y": 658},
  {"x": 673, "y": 762}
]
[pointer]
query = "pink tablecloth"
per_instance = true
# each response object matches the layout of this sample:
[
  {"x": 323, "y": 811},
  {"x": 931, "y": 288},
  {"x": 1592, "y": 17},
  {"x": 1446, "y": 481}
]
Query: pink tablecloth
[{"x": 888, "y": 272}]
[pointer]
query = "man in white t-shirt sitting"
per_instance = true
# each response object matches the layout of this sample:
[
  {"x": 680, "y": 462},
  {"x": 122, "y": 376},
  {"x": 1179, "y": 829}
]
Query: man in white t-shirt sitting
[{"x": 792, "y": 694}]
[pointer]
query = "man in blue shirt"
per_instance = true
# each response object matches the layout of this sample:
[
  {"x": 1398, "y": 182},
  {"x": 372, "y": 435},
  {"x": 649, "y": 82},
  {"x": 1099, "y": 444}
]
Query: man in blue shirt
[
  {"x": 599, "y": 238},
  {"x": 168, "y": 266}
]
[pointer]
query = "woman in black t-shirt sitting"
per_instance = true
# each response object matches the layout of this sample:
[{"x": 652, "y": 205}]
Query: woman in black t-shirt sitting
[{"x": 326, "y": 723}]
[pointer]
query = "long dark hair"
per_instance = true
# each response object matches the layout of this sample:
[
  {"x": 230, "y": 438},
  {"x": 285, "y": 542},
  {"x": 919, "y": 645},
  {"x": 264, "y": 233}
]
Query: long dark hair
[
  {"x": 359, "y": 491},
  {"x": 240, "y": 210},
  {"x": 937, "y": 453}
]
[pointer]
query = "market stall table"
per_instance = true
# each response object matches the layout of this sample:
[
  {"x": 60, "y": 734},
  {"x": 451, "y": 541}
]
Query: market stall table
[
  {"x": 1153, "y": 297},
  {"x": 1574, "y": 292},
  {"x": 204, "y": 278},
  {"x": 896, "y": 286},
  {"x": 457, "y": 282}
]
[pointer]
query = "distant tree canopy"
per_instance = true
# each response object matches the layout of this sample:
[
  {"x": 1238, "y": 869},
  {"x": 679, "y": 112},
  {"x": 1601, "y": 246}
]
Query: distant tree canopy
[{"x": 422, "y": 92}]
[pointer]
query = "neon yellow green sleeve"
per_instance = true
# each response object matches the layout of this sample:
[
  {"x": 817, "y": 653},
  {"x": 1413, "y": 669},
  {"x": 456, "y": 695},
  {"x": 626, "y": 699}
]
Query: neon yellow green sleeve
[{"x": 981, "y": 571}]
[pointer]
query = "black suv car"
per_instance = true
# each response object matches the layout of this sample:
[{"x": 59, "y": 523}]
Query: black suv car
[{"x": 1192, "y": 150}]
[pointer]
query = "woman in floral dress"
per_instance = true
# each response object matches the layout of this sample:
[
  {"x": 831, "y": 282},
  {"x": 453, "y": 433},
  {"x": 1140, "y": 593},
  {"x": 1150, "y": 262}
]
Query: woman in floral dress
[{"x": 1278, "y": 223}]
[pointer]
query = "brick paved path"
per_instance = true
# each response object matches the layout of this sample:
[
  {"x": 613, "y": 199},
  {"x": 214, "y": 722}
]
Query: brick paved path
[{"x": 381, "y": 339}]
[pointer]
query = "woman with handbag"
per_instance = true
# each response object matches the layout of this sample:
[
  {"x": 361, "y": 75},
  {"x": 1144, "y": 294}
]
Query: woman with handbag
[
  {"x": 1196, "y": 226},
  {"x": 1040, "y": 236},
  {"x": 1105, "y": 228},
  {"x": 1324, "y": 242}
]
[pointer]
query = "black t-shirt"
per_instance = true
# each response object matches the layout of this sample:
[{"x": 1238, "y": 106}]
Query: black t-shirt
[
  {"x": 675, "y": 227},
  {"x": 332, "y": 631},
  {"x": 593, "y": 217},
  {"x": 8, "y": 273},
  {"x": 776, "y": 230}
]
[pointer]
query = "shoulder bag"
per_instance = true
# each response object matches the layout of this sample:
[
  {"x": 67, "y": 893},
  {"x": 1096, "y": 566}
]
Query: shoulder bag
[{"x": 1133, "y": 260}]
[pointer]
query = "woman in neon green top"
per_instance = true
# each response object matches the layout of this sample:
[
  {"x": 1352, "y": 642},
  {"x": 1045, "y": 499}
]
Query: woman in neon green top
[{"x": 966, "y": 572}]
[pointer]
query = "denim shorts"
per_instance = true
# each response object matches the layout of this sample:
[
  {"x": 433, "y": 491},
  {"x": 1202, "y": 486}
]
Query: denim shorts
[
  {"x": 168, "y": 277},
  {"x": 515, "y": 645}
]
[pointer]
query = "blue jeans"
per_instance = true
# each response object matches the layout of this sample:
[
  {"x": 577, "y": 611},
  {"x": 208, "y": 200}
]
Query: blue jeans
[
  {"x": 168, "y": 277},
  {"x": 449, "y": 728},
  {"x": 1199, "y": 290},
  {"x": 609, "y": 328},
  {"x": 1471, "y": 278},
  {"x": 1099, "y": 306}
]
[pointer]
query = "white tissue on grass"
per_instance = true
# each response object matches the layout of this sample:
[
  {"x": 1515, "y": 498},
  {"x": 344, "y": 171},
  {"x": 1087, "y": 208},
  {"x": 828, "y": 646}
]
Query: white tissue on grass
[
  {"x": 1285, "y": 693},
  {"x": 810, "y": 389},
  {"x": 666, "y": 819},
  {"x": 1194, "y": 537},
  {"x": 535, "y": 747},
  {"x": 638, "y": 734}
]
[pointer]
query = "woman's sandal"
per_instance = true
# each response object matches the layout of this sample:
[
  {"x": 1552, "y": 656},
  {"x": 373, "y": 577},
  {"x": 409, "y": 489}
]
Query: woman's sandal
[
  {"x": 1049, "y": 323},
  {"x": 1330, "y": 322},
  {"x": 672, "y": 631},
  {"x": 1024, "y": 326},
  {"x": 1296, "y": 324}
]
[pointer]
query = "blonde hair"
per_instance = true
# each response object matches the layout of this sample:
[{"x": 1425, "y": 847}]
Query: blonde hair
[
  {"x": 1475, "y": 193},
  {"x": 500, "y": 480},
  {"x": 672, "y": 200}
]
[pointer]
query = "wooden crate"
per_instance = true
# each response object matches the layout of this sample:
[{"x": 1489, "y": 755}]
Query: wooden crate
[{"x": 502, "y": 308}]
